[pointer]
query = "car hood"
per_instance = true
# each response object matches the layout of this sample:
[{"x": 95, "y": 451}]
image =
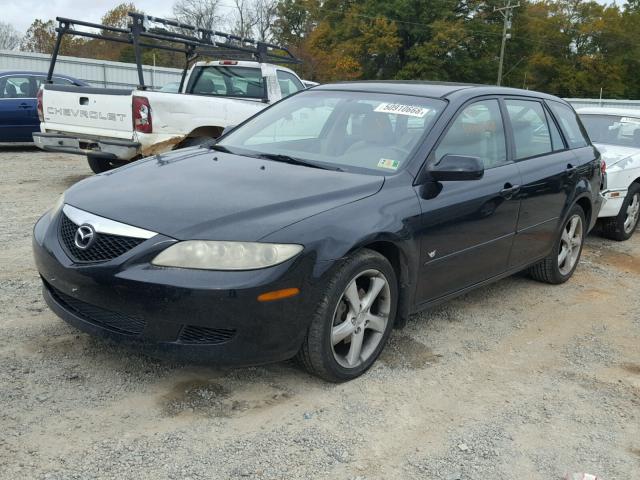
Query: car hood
[
  {"x": 617, "y": 155},
  {"x": 202, "y": 194}
]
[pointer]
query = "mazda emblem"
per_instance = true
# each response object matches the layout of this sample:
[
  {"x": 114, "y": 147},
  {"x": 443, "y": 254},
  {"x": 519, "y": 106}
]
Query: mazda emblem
[{"x": 84, "y": 237}]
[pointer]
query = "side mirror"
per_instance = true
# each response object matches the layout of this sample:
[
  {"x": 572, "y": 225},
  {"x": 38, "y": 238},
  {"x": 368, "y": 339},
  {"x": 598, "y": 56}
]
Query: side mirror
[{"x": 453, "y": 168}]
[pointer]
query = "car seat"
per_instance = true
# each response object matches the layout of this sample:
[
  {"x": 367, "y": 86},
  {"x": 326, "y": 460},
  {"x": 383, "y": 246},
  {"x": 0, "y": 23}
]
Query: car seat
[
  {"x": 205, "y": 86},
  {"x": 376, "y": 130},
  {"x": 10, "y": 91}
]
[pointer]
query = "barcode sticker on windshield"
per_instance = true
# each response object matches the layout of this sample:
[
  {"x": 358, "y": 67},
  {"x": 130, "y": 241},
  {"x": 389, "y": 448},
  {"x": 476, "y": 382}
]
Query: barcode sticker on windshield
[
  {"x": 399, "y": 109},
  {"x": 629, "y": 120},
  {"x": 388, "y": 164}
]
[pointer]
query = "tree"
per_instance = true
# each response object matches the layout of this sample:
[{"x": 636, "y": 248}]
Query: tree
[
  {"x": 9, "y": 37},
  {"x": 199, "y": 13}
]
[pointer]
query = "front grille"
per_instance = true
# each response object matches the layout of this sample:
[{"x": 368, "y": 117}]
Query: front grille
[
  {"x": 194, "y": 335},
  {"x": 116, "y": 322},
  {"x": 105, "y": 246}
]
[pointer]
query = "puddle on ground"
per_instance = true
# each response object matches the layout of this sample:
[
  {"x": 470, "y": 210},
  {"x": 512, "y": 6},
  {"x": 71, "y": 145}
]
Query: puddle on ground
[
  {"x": 631, "y": 368},
  {"x": 208, "y": 398},
  {"x": 403, "y": 351}
]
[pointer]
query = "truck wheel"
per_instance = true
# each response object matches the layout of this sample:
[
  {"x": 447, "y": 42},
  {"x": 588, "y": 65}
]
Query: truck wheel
[
  {"x": 622, "y": 226},
  {"x": 100, "y": 164},
  {"x": 559, "y": 266},
  {"x": 353, "y": 320},
  {"x": 195, "y": 141}
]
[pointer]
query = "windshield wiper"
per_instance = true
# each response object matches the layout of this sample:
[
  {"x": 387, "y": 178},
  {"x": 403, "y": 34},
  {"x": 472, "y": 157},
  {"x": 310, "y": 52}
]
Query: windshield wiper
[{"x": 288, "y": 159}]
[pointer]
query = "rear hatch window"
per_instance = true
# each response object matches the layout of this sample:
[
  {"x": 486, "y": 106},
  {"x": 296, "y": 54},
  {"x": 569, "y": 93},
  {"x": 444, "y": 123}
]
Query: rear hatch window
[{"x": 225, "y": 81}]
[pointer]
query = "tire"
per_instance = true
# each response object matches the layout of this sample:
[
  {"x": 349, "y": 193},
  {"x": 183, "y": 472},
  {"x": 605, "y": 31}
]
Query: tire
[
  {"x": 100, "y": 165},
  {"x": 552, "y": 269},
  {"x": 194, "y": 142},
  {"x": 337, "y": 317},
  {"x": 623, "y": 226}
]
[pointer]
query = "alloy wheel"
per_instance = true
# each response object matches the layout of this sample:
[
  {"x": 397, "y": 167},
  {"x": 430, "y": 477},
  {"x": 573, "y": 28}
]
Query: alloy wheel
[
  {"x": 633, "y": 212},
  {"x": 570, "y": 244},
  {"x": 360, "y": 318}
]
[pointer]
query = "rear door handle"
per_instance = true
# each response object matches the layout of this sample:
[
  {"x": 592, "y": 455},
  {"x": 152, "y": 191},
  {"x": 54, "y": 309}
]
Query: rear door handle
[
  {"x": 24, "y": 105},
  {"x": 509, "y": 190},
  {"x": 571, "y": 169}
]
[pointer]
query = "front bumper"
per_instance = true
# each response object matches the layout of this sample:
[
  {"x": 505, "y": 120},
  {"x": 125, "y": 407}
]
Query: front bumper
[
  {"x": 111, "y": 149},
  {"x": 612, "y": 201},
  {"x": 199, "y": 316}
]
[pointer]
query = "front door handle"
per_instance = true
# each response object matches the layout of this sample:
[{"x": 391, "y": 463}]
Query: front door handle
[{"x": 509, "y": 190}]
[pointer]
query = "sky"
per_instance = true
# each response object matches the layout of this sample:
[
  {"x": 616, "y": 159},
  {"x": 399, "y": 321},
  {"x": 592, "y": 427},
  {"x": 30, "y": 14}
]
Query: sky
[{"x": 21, "y": 13}]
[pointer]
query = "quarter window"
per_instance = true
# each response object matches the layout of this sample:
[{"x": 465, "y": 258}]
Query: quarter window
[
  {"x": 530, "y": 129},
  {"x": 477, "y": 131},
  {"x": 569, "y": 124}
]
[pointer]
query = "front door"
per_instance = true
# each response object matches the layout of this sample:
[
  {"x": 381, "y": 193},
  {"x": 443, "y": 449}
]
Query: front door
[
  {"x": 18, "y": 113},
  {"x": 468, "y": 227}
]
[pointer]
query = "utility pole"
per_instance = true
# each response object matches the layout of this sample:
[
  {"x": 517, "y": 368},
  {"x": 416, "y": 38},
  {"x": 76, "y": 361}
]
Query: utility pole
[{"x": 506, "y": 15}]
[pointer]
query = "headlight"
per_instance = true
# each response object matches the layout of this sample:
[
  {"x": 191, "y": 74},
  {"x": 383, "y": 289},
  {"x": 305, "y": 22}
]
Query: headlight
[
  {"x": 214, "y": 255},
  {"x": 57, "y": 206}
]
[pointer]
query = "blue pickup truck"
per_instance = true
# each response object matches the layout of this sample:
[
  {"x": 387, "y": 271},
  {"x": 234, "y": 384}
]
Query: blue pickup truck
[{"x": 18, "y": 103}]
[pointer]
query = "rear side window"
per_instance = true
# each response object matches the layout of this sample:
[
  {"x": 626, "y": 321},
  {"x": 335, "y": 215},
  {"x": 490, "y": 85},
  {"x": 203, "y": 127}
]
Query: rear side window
[
  {"x": 530, "y": 129},
  {"x": 477, "y": 131},
  {"x": 569, "y": 123},
  {"x": 227, "y": 82},
  {"x": 288, "y": 83},
  {"x": 556, "y": 138}
]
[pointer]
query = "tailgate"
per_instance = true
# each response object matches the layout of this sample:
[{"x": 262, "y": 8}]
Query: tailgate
[{"x": 87, "y": 110}]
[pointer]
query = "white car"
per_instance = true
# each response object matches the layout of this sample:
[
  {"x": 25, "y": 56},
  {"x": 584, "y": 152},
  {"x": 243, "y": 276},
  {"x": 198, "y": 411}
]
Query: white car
[{"x": 616, "y": 134}]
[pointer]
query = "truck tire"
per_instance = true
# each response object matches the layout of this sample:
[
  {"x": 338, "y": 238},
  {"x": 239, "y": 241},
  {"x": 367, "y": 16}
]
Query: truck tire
[
  {"x": 195, "y": 141},
  {"x": 101, "y": 164}
]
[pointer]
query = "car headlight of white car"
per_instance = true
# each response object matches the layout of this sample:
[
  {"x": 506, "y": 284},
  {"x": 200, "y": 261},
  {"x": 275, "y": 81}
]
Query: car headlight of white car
[{"x": 220, "y": 255}]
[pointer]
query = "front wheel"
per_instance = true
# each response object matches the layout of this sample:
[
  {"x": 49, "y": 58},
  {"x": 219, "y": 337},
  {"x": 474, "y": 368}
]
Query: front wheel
[
  {"x": 622, "y": 226},
  {"x": 353, "y": 320},
  {"x": 563, "y": 260}
]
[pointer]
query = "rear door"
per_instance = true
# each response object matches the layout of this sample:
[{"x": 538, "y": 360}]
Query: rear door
[
  {"x": 468, "y": 227},
  {"x": 18, "y": 114},
  {"x": 547, "y": 167}
]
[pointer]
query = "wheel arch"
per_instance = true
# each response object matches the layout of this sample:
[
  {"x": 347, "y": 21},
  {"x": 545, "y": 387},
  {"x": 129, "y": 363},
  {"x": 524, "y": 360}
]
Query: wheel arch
[{"x": 398, "y": 259}]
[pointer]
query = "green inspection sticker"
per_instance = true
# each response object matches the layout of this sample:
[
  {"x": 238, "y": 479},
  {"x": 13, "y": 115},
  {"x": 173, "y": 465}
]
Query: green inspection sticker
[{"x": 388, "y": 164}]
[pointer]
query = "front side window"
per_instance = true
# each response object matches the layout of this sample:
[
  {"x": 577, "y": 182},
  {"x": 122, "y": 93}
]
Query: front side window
[
  {"x": 530, "y": 129},
  {"x": 360, "y": 131},
  {"x": 288, "y": 83},
  {"x": 227, "y": 81},
  {"x": 613, "y": 129},
  {"x": 569, "y": 123},
  {"x": 477, "y": 131},
  {"x": 17, "y": 87}
]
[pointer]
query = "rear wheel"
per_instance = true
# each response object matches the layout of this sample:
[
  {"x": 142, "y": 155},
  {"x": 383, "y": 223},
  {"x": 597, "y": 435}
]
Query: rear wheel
[
  {"x": 354, "y": 319},
  {"x": 559, "y": 266},
  {"x": 101, "y": 164},
  {"x": 623, "y": 226},
  {"x": 194, "y": 141}
]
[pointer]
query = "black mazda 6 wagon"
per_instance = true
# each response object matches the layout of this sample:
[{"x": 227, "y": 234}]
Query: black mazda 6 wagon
[{"x": 318, "y": 225}]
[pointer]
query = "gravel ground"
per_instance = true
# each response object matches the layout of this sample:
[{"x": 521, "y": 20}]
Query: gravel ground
[{"x": 518, "y": 380}]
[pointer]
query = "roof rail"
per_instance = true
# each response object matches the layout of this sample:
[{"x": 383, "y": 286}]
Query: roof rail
[{"x": 145, "y": 30}]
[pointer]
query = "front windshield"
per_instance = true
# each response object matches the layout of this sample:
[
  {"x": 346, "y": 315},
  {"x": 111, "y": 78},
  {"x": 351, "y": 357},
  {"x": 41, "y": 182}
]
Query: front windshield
[
  {"x": 613, "y": 129},
  {"x": 351, "y": 131}
]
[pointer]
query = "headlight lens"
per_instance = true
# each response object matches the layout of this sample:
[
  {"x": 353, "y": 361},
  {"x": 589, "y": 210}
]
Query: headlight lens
[
  {"x": 57, "y": 206},
  {"x": 215, "y": 255}
]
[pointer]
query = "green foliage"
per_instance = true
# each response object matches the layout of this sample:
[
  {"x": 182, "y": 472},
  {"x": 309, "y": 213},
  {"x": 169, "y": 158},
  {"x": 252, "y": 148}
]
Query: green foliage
[{"x": 565, "y": 47}]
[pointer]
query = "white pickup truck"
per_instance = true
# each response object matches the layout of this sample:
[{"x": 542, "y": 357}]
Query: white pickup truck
[{"x": 115, "y": 126}]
